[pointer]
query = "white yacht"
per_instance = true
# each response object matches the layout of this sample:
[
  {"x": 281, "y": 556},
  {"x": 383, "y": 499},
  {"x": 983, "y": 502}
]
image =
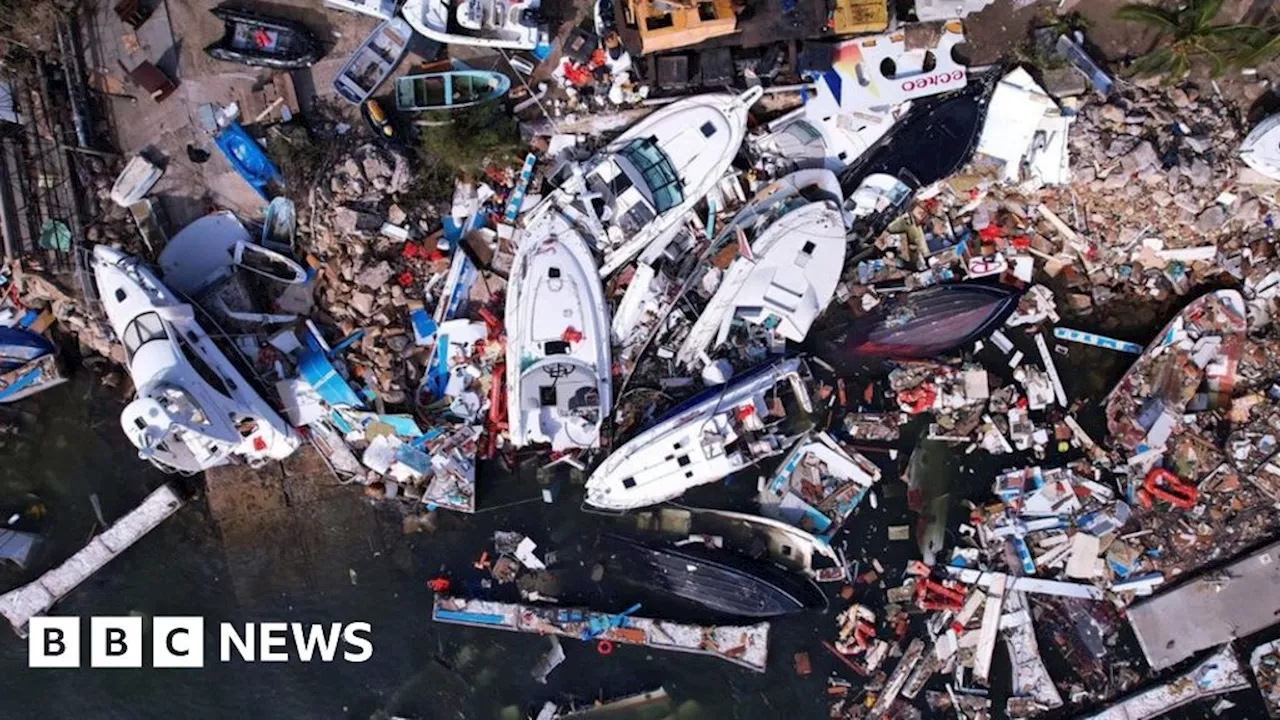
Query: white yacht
[
  {"x": 486, "y": 23},
  {"x": 559, "y": 382},
  {"x": 640, "y": 186},
  {"x": 710, "y": 436},
  {"x": 193, "y": 410},
  {"x": 792, "y": 236}
]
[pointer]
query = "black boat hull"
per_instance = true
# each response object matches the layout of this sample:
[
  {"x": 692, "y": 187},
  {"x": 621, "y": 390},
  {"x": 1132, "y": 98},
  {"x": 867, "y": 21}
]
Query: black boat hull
[
  {"x": 284, "y": 44},
  {"x": 922, "y": 324},
  {"x": 717, "y": 580}
]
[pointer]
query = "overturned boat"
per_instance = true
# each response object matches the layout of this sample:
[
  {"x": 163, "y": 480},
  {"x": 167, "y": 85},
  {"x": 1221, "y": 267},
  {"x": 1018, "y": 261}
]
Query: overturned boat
[
  {"x": 818, "y": 485},
  {"x": 923, "y": 323},
  {"x": 641, "y": 185},
  {"x": 194, "y": 410},
  {"x": 516, "y": 25},
  {"x": 373, "y": 61},
  {"x": 263, "y": 41},
  {"x": 1197, "y": 353},
  {"x": 559, "y": 381},
  {"x": 790, "y": 263},
  {"x": 717, "y": 580},
  {"x": 707, "y": 438},
  {"x": 28, "y": 364}
]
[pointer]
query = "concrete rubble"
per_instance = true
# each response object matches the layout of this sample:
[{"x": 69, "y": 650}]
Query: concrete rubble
[{"x": 845, "y": 303}]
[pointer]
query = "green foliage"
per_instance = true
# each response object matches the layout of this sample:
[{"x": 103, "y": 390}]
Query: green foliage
[
  {"x": 1188, "y": 35},
  {"x": 463, "y": 142}
]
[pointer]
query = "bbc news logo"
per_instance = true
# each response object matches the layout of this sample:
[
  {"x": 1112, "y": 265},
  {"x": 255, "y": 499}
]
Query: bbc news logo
[{"x": 178, "y": 642}]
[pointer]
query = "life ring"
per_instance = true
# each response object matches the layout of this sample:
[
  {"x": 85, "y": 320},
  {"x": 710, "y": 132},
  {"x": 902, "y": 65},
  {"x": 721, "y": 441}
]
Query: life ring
[{"x": 604, "y": 647}]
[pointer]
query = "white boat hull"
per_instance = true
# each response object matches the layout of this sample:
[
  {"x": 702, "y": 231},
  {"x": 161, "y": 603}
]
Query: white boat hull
[
  {"x": 430, "y": 18},
  {"x": 701, "y": 443},
  {"x": 1261, "y": 149},
  {"x": 194, "y": 410},
  {"x": 559, "y": 380}
]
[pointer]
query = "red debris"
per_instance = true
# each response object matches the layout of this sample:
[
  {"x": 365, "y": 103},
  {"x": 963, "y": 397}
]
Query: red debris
[{"x": 571, "y": 335}]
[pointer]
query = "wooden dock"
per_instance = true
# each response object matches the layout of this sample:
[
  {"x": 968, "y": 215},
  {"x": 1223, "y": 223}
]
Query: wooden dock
[{"x": 18, "y": 606}]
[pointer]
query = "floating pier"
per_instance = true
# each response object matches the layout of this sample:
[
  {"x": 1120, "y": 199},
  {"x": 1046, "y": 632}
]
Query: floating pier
[
  {"x": 18, "y": 606},
  {"x": 745, "y": 645}
]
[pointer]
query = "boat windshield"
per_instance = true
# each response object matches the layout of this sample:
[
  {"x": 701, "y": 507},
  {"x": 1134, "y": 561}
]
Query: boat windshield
[
  {"x": 142, "y": 330},
  {"x": 658, "y": 173}
]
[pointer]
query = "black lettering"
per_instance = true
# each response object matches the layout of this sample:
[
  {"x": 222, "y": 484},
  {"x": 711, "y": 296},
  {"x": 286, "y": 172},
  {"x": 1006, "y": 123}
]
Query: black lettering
[
  {"x": 168, "y": 642},
  {"x": 115, "y": 639},
  {"x": 54, "y": 637}
]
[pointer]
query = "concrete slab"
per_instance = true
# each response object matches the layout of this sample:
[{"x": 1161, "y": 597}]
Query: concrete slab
[{"x": 1214, "y": 608}]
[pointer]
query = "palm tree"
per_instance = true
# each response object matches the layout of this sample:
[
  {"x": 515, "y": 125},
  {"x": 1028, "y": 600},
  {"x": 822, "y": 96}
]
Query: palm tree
[{"x": 1188, "y": 35}]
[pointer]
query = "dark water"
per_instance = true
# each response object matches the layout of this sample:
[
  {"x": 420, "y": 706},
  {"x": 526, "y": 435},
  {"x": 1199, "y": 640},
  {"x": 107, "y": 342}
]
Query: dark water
[{"x": 70, "y": 446}]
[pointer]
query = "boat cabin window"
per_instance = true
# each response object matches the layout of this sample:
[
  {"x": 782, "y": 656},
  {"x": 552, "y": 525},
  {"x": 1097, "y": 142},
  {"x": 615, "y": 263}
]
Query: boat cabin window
[
  {"x": 708, "y": 129},
  {"x": 629, "y": 483},
  {"x": 121, "y": 295},
  {"x": 656, "y": 170},
  {"x": 202, "y": 368},
  {"x": 555, "y": 347},
  {"x": 803, "y": 131},
  {"x": 142, "y": 330}
]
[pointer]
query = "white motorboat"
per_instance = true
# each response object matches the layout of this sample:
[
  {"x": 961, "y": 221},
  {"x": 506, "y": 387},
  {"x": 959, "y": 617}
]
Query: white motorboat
[
  {"x": 1261, "y": 149},
  {"x": 641, "y": 185},
  {"x": 712, "y": 435},
  {"x": 194, "y": 410},
  {"x": 833, "y": 142},
  {"x": 792, "y": 237},
  {"x": 486, "y": 23},
  {"x": 559, "y": 382}
]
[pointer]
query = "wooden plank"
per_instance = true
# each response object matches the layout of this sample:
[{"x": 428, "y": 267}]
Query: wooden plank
[{"x": 990, "y": 626}]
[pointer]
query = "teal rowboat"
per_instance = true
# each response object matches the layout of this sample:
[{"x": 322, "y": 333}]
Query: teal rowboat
[{"x": 449, "y": 90}]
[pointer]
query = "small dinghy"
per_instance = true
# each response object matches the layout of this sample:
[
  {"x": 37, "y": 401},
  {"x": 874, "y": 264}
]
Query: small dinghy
[
  {"x": 449, "y": 90},
  {"x": 249, "y": 160},
  {"x": 1261, "y": 149},
  {"x": 28, "y": 364},
  {"x": 252, "y": 39},
  {"x": 717, "y": 580},
  {"x": 710, "y": 436},
  {"x": 923, "y": 323},
  {"x": 515, "y": 24},
  {"x": 135, "y": 181},
  {"x": 559, "y": 385},
  {"x": 373, "y": 61}
]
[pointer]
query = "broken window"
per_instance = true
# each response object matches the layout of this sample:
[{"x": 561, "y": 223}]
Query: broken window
[{"x": 547, "y": 395}]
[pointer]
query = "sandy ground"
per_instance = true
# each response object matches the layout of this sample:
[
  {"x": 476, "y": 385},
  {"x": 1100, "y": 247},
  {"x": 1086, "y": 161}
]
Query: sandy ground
[{"x": 174, "y": 39}]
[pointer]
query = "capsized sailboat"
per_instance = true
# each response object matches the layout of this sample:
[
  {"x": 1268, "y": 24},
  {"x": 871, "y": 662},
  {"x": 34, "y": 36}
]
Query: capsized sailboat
[
  {"x": 511, "y": 24},
  {"x": 708, "y": 437},
  {"x": 194, "y": 410},
  {"x": 559, "y": 381},
  {"x": 790, "y": 263},
  {"x": 641, "y": 185},
  {"x": 717, "y": 580},
  {"x": 923, "y": 323}
]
